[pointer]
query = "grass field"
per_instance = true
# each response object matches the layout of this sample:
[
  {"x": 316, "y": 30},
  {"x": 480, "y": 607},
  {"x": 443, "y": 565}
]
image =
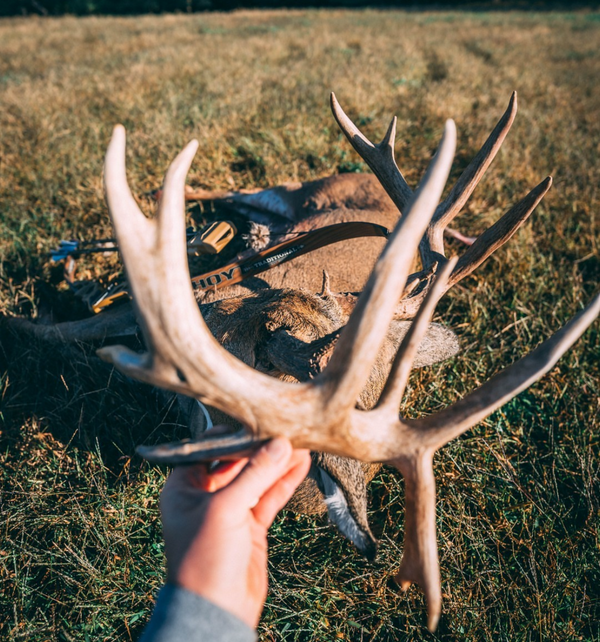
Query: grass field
[{"x": 518, "y": 497}]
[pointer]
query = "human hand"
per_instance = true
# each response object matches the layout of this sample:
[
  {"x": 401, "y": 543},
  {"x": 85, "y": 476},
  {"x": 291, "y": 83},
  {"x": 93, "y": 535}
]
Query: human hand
[{"x": 215, "y": 525}]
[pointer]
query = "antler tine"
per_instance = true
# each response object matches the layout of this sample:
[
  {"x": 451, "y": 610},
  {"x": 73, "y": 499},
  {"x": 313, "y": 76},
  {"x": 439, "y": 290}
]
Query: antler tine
[
  {"x": 432, "y": 246},
  {"x": 396, "y": 384},
  {"x": 420, "y": 562},
  {"x": 361, "y": 339},
  {"x": 171, "y": 224},
  {"x": 499, "y": 233},
  {"x": 140, "y": 238},
  {"x": 484, "y": 246},
  {"x": 380, "y": 158},
  {"x": 437, "y": 430},
  {"x": 118, "y": 195},
  {"x": 420, "y": 558}
]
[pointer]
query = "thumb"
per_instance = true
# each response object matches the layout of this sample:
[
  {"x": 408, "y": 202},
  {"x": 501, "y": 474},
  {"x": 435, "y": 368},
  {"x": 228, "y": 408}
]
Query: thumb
[{"x": 261, "y": 472}]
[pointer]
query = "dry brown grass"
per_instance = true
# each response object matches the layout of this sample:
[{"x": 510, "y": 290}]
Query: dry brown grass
[{"x": 518, "y": 515}]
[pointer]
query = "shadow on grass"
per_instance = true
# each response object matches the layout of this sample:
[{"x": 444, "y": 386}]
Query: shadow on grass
[{"x": 82, "y": 401}]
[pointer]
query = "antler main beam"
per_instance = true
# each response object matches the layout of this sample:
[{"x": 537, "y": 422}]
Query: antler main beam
[{"x": 184, "y": 357}]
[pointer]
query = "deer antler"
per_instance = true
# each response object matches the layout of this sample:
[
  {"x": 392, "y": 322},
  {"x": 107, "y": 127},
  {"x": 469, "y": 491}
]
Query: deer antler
[
  {"x": 380, "y": 159},
  {"x": 320, "y": 414}
]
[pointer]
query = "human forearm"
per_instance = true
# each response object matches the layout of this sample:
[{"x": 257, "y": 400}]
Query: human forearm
[{"x": 183, "y": 616}]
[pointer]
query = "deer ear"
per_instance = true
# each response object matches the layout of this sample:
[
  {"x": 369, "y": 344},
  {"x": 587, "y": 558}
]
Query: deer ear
[{"x": 439, "y": 343}]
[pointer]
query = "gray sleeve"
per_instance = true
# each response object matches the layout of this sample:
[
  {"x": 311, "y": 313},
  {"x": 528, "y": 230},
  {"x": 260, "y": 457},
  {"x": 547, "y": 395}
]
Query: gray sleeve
[{"x": 182, "y": 616}]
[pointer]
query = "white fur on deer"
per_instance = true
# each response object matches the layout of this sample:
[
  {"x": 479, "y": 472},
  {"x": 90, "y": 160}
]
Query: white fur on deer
[
  {"x": 321, "y": 414},
  {"x": 337, "y": 508}
]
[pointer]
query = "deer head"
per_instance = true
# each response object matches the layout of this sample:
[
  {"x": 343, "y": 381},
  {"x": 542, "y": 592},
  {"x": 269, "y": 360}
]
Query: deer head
[
  {"x": 299, "y": 207},
  {"x": 321, "y": 414}
]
